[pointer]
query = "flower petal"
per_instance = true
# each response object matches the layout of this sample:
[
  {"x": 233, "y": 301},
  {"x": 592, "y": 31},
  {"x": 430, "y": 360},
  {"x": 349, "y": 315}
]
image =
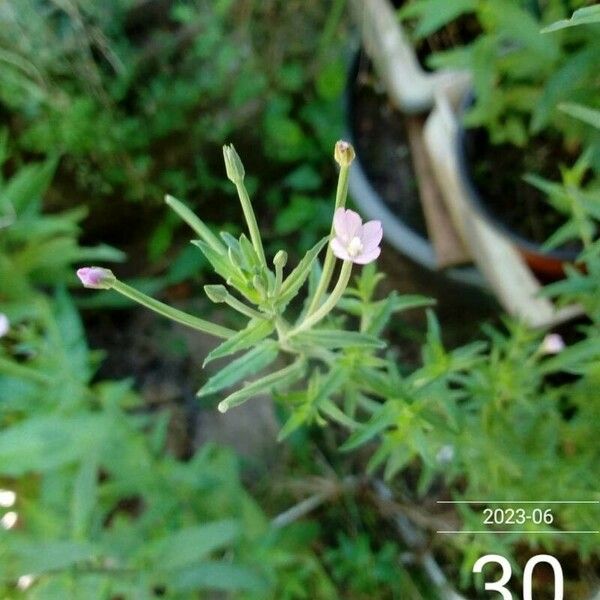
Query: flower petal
[
  {"x": 346, "y": 223},
  {"x": 339, "y": 249},
  {"x": 367, "y": 257},
  {"x": 370, "y": 235}
]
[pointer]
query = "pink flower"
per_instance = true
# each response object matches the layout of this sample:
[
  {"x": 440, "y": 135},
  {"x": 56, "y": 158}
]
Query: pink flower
[
  {"x": 354, "y": 241},
  {"x": 96, "y": 278},
  {"x": 552, "y": 344}
]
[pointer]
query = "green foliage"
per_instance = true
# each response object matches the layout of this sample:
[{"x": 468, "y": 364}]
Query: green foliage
[
  {"x": 102, "y": 509},
  {"x": 135, "y": 96},
  {"x": 519, "y": 74},
  {"x": 496, "y": 419}
]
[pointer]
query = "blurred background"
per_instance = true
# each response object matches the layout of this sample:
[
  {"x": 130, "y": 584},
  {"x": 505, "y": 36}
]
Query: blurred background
[{"x": 116, "y": 481}]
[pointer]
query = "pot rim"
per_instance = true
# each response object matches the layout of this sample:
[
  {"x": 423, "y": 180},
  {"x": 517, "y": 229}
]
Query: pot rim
[{"x": 475, "y": 198}]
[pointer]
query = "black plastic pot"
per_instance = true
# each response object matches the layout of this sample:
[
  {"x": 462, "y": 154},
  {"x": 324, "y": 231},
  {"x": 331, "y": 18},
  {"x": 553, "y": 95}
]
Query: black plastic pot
[
  {"x": 547, "y": 264},
  {"x": 403, "y": 223}
]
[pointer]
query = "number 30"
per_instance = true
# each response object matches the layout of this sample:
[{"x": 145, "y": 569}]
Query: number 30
[{"x": 498, "y": 586}]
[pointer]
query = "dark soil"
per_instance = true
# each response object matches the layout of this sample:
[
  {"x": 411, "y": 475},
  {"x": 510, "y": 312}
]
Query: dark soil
[
  {"x": 382, "y": 146},
  {"x": 499, "y": 169}
]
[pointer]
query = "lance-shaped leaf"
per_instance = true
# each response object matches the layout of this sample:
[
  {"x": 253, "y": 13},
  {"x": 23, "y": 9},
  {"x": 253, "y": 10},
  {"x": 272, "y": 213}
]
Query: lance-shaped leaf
[
  {"x": 195, "y": 223},
  {"x": 378, "y": 423},
  {"x": 190, "y": 545},
  {"x": 381, "y": 312},
  {"x": 252, "y": 362},
  {"x": 334, "y": 338},
  {"x": 298, "y": 276},
  {"x": 254, "y": 332},
  {"x": 283, "y": 377},
  {"x": 219, "y": 262}
]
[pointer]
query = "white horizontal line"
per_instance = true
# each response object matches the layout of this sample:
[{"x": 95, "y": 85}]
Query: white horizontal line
[
  {"x": 517, "y": 501},
  {"x": 557, "y": 532}
]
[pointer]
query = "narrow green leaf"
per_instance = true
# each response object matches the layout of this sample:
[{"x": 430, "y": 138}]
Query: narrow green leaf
[
  {"x": 583, "y": 16},
  {"x": 219, "y": 262},
  {"x": 195, "y": 223},
  {"x": 378, "y": 423},
  {"x": 252, "y": 362},
  {"x": 333, "y": 338},
  {"x": 41, "y": 556},
  {"x": 249, "y": 254},
  {"x": 84, "y": 498},
  {"x": 572, "y": 356},
  {"x": 333, "y": 412},
  {"x": 28, "y": 185},
  {"x": 216, "y": 575},
  {"x": 298, "y": 276},
  {"x": 229, "y": 272},
  {"x": 189, "y": 545},
  {"x": 383, "y": 310},
  {"x": 285, "y": 376},
  {"x": 299, "y": 416},
  {"x": 254, "y": 332},
  {"x": 583, "y": 113}
]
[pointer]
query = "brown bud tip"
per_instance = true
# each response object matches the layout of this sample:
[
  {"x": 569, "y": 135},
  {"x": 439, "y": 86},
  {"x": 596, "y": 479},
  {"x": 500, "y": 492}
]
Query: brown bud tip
[{"x": 344, "y": 153}]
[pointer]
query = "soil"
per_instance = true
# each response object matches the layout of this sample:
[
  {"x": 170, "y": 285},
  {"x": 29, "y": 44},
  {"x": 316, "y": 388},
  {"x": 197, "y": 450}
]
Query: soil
[
  {"x": 381, "y": 144},
  {"x": 499, "y": 169}
]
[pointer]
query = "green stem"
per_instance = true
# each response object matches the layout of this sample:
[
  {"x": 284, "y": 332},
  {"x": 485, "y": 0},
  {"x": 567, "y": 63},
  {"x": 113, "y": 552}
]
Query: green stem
[
  {"x": 329, "y": 304},
  {"x": 170, "y": 312},
  {"x": 196, "y": 224},
  {"x": 251, "y": 221},
  {"x": 340, "y": 202},
  {"x": 242, "y": 308}
]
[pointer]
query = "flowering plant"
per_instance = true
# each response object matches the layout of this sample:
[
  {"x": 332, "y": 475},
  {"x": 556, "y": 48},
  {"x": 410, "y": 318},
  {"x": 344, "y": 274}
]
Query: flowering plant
[
  {"x": 262, "y": 294},
  {"x": 506, "y": 418}
]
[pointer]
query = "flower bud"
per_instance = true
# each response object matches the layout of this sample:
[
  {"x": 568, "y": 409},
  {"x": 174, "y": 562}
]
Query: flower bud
[
  {"x": 96, "y": 278},
  {"x": 344, "y": 153},
  {"x": 280, "y": 259},
  {"x": 216, "y": 293},
  {"x": 4, "y": 325},
  {"x": 552, "y": 344},
  {"x": 233, "y": 164}
]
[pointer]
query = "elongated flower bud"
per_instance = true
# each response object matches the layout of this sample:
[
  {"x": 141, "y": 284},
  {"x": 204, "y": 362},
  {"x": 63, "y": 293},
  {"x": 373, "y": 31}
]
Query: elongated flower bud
[
  {"x": 280, "y": 259},
  {"x": 233, "y": 164},
  {"x": 344, "y": 153},
  {"x": 96, "y": 278},
  {"x": 216, "y": 293}
]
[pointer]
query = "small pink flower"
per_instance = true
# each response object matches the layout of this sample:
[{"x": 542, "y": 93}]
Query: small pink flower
[
  {"x": 552, "y": 344},
  {"x": 4, "y": 325},
  {"x": 354, "y": 241},
  {"x": 96, "y": 278}
]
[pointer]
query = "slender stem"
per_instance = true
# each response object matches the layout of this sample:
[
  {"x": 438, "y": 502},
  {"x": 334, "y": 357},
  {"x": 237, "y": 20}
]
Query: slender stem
[
  {"x": 251, "y": 221},
  {"x": 196, "y": 224},
  {"x": 170, "y": 312},
  {"x": 340, "y": 201},
  {"x": 242, "y": 308},
  {"x": 329, "y": 304}
]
